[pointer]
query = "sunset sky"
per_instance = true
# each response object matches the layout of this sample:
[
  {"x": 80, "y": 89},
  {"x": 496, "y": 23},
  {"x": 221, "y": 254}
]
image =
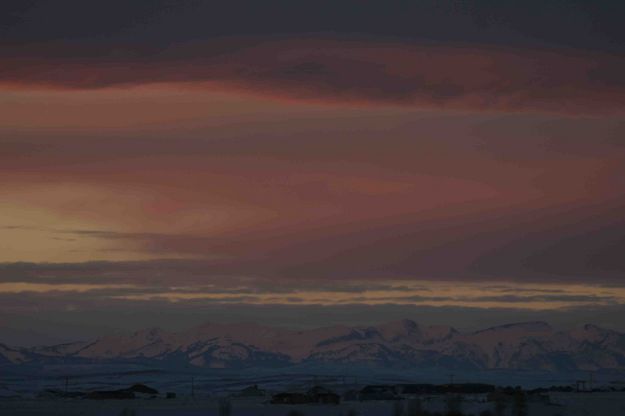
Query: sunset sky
[{"x": 165, "y": 163}]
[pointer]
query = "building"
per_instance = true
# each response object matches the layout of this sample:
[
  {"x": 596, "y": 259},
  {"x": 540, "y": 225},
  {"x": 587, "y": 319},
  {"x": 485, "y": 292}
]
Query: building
[
  {"x": 251, "y": 391},
  {"x": 319, "y": 394},
  {"x": 378, "y": 392},
  {"x": 290, "y": 398}
]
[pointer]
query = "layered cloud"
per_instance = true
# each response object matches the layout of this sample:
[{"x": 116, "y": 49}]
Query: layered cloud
[
  {"x": 401, "y": 170},
  {"x": 334, "y": 70},
  {"x": 183, "y": 281},
  {"x": 269, "y": 189}
]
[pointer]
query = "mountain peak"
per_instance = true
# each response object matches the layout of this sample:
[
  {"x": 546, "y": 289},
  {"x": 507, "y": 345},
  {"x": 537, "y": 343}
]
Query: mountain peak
[
  {"x": 435, "y": 333},
  {"x": 592, "y": 327},
  {"x": 149, "y": 334},
  {"x": 593, "y": 333},
  {"x": 403, "y": 329},
  {"x": 405, "y": 324}
]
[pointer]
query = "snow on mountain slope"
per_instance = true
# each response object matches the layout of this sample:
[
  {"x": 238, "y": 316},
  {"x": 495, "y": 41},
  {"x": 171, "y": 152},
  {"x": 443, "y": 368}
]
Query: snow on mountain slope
[
  {"x": 438, "y": 333},
  {"x": 60, "y": 350},
  {"x": 10, "y": 355},
  {"x": 401, "y": 331},
  {"x": 529, "y": 345},
  {"x": 504, "y": 346},
  {"x": 149, "y": 343}
]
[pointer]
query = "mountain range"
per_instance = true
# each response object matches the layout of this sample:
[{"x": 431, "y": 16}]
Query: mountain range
[{"x": 399, "y": 344}]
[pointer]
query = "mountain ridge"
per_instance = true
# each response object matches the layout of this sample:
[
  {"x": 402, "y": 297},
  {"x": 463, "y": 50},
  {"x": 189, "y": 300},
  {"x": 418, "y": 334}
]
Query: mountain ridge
[{"x": 398, "y": 344}]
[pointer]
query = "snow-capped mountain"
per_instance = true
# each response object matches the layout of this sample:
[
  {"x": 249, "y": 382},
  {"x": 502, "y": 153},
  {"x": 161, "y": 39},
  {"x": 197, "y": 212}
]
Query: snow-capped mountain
[
  {"x": 10, "y": 355},
  {"x": 401, "y": 344}
]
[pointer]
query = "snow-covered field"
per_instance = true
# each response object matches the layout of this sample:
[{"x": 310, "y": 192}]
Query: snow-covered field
[{"x": 565, "y": 404}]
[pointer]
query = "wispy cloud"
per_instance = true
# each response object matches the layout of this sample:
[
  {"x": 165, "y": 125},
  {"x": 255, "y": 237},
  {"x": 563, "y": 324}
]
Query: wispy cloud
[
  {"x": 178, "y": 281},
  {"x": 340, "y": 70}
]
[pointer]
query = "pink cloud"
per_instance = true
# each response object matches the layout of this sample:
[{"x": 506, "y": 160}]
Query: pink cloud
[{"x": 332, "y": 70}]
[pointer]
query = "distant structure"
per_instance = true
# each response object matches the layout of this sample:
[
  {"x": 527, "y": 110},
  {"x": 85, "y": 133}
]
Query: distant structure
[
  {"x": 251, "y": 391},
  {"x": 411, "y": 391},
  {"x": 134, "y": 391},
  {"x": 319, "y": 394},
  {"x": 143, "y": 389},
  {"x": 290, "y": 398},
  {"x": 316, "y": 394},
  {"x": 379, "y": 392},
  {"x": 580, "y": 385},
  {"x": 110, "y": 395}
]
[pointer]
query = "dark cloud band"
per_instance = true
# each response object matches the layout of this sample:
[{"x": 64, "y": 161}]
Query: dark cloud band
[{"x": 339, "y": 71}]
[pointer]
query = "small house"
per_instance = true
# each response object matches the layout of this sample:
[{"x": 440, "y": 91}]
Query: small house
[
  {"x": 290, "y": 398},
  {"x": 319, "y": 394},
  {"x": 378, "y": 392},
  {"x": 110, "y": 395},
  {"x": 142, "y": 390},
  {"x": 251, "y": 391}
]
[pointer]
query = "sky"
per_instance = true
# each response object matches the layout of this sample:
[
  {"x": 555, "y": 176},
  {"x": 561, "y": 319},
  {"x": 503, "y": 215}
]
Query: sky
[{"x": 166, "y": 163}]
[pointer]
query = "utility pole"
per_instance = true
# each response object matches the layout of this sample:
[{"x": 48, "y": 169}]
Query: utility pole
[
  {"x": 66, "y": 383},
  {"x": 451, "y": 379},
  {"x": 192, "y": 386}
]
